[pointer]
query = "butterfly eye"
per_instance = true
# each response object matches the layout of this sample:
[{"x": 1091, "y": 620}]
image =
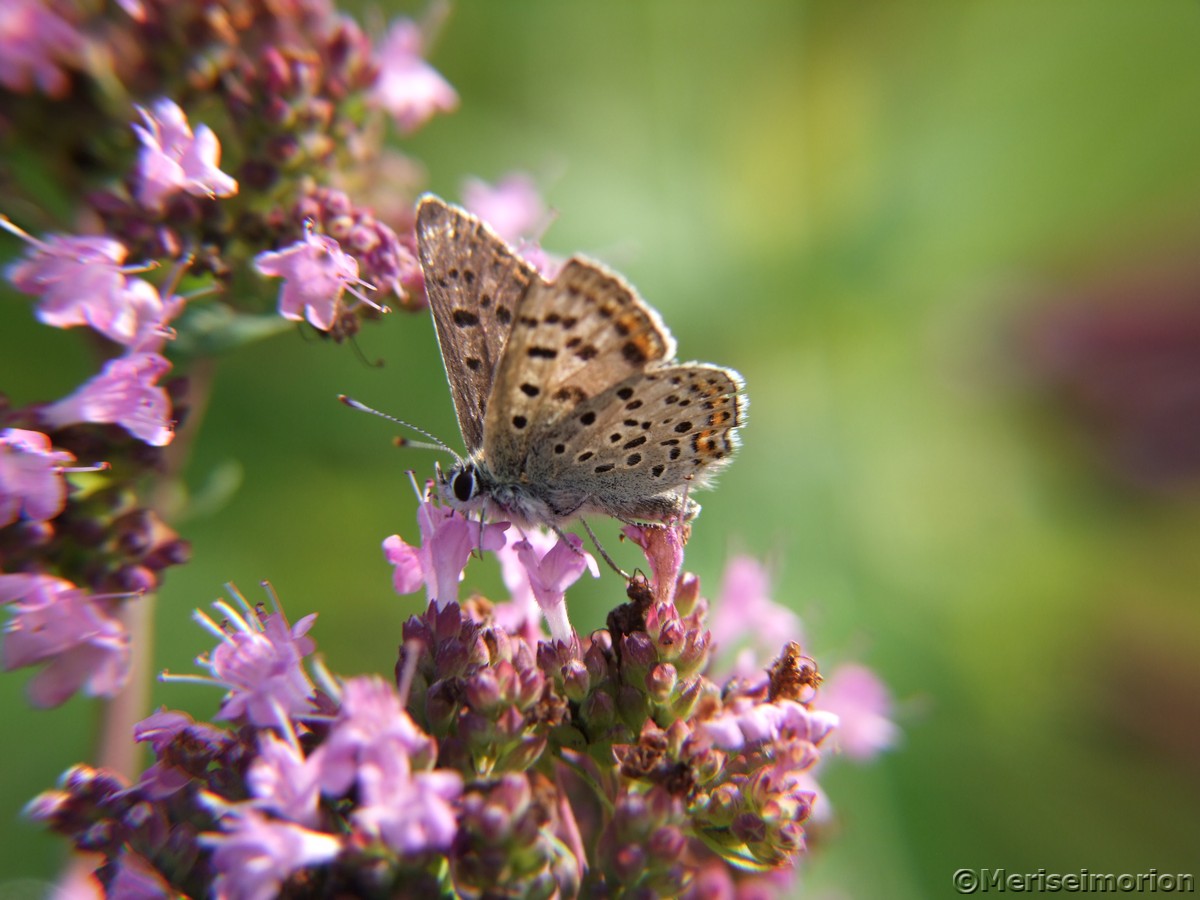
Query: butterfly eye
[{"x": 464, "y": 484}]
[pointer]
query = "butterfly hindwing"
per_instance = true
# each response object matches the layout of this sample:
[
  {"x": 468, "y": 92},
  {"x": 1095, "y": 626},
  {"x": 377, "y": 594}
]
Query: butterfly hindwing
[
  {"x": 475, "y": 284},
  {"x": 644, "y": 437}
]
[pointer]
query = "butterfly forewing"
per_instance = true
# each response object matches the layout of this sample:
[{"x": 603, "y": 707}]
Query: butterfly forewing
[
  {"x": 475, "y": 284},
  {"x": 573, "y": 339}
]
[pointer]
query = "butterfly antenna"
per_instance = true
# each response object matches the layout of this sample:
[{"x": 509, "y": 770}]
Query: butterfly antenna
[{"x": 404, "y": 442}]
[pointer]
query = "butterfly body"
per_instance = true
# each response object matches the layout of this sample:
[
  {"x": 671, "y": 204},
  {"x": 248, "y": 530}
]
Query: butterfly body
[{"x": 565, "y": 390}]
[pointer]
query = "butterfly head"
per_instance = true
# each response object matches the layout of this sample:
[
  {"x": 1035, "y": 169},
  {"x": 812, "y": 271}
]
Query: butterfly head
[{"x": 461, "y": 487}]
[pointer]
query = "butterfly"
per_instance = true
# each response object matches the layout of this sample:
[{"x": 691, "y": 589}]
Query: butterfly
[{"x": 565, "y": 390}]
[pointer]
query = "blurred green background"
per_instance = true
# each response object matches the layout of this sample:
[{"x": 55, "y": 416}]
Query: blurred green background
[{"x": 873, "y": 211}]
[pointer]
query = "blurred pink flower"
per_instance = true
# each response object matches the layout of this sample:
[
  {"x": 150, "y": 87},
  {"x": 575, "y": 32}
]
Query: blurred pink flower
[
  {"x": 135, "y": 316},
  {"x": 58, "y": 624},
  {"x": 375, "y": 745},
  {"x": 407, "y": 87},
  {"x": 255, "y": 855},
  {"x": 124, "y": 393},
  {"x": 283, "y": 781},
  {"x": 31, "y": 481},
  {"x": 315, "y": 271},
  {"x": 372, "y": 725},
  {"x": 513, "y": 206},
  {"x": 550, "y": 573},
  {"x": 744, "y": 612},
  {"x": 447, "y": 539},
  {"x": 412, "y": 812},
  {"x": 746, "y": 723},
  {"x": 82, "y": 281},
  {"x": 36, "y": 43},
  {"x": 863, "y": 705},
  {"x": 174, "y": 159}
]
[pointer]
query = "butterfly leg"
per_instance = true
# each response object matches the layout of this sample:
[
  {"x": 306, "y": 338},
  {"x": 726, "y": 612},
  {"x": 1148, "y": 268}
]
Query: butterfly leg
[{"x": 600, "y": 549}]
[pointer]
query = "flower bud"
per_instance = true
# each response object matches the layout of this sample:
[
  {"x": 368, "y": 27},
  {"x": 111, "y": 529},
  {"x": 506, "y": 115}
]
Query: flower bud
[
  {"x": 638, "y": 654},
  {"x": 661, "y": 682},
  {"x": 483, "y": 691},
  {"x": 599, "y": 712},
  {"x": 749, "y": 828},
  {"x": 666, "y": 844},
  {"x": 687, "y": 592},
  {"x": 576, "y": 680}
]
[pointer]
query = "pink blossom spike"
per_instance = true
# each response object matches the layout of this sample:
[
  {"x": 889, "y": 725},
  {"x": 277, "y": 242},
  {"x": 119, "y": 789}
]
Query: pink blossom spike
[
  {"x": 373, "y": 725},
  {"x": 124, "y": 393},
  {"x": 136, "y": 316},
  {"x": 57, "y": 624},
  {"x": 411, "y": 812},
  {"x": 31, "y": 482},
  {"x": 407, "y": 87},
  {"x": 71, "y": 274}
]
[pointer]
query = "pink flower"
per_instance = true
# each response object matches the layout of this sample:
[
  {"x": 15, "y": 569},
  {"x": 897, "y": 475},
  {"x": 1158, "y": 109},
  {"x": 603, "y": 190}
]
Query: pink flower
[
  {"x": 123, "y": 393},
  {"x": 135, "y": 316},
  {"x": 372, "y": 726},
  {"x": 69, "y": 272},
  {"x": 283, "y": 781},
  {"x": 521, "y": 613},
  {"x": 174, "y": 159},
  {"x": 375, "y": 745},
  {"x": 82, "y": 281},
  {"x": 259, "y": 661},
  {"x": 862, "y": 703},
  {"x": 410, "y": 812},
  {"x": 663, "y": 546},
  {"x": 447, "y": 539},
  {"x": 407, "y": 87},
  {"x": 550, "y": 574},
  {"x": 315, "y": 271},
  {"x": 58, "y": 624},
  {"x": 746, "y": 723},
  {"x": 744, "y": 610},
  {"x": 36, "y": 43},
  {"x": 31, "y": 481},
  {"x": 256, "y": 855},
  {"x": 513, "y": 207}
]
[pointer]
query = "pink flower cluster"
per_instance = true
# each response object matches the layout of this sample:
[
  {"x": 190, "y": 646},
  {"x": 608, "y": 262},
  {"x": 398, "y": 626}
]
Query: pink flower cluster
[{"x": 539, "y": 568}]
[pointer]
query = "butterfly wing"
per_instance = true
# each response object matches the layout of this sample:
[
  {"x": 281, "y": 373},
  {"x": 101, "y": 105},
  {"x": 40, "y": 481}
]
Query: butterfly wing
[
  {"x": 475, "y": 283},
  {"x": 586, "y": 411},
  {"x": 631, "y": 449},
  {"x": 572, "y": 339}
]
